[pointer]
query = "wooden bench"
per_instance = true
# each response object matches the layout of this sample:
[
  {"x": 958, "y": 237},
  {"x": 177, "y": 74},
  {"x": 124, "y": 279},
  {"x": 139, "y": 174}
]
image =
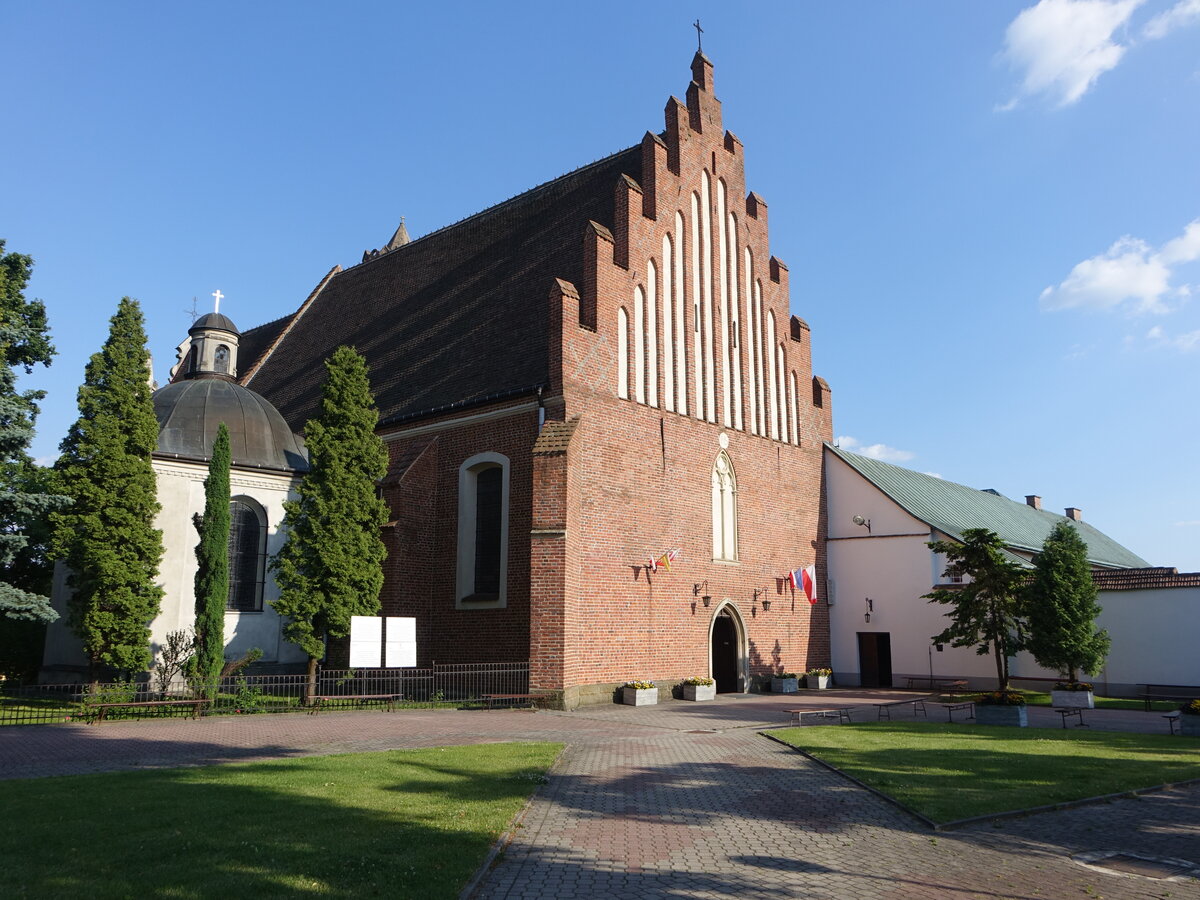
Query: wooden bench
[
  {"x": 885, "y": 709},
  {"x": 952, "y": 708},
  {"x": 1068, "y": 711},
  {"x": 1173, "y": 719},
  {"x": 96, "y": 711},
  {"x": 494, "y": 700},
  {"x": 841, "y": 713},
  {"x": 946, "y": 684},
  {"x": 320, "y": 700},
  {"x": 1177, "y": 692}
]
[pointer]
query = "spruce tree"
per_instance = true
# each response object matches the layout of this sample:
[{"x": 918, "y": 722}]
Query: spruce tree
[
  {"x": 985, "y": 611},
  {"x": 107, "y": 537},
  {"x": 331, "y": 566},
  {"x": 25, "y": 496},
  {"x": 212, "y": 567},
  {"x": 1062, "y": 609}
]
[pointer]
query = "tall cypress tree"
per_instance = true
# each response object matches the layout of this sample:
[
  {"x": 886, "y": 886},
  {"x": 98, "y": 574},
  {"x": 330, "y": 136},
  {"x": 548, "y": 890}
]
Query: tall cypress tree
[
  {"x": 212, "y": 566},
  {"x": 25, "y": 498},
  {"x": 1062, "y": 609},
  {"x": 107, "y": 537},
  {"x": 331, "y": 567}
]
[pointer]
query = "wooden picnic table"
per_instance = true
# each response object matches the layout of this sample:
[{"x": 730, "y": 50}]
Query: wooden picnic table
[
  {"x": 841, "y": 713},
  {"x": 951, "y": 684},
  {"x": 884, "y": 710}
]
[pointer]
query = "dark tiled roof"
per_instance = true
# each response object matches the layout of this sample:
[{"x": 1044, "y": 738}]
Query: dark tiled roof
[
  {"x": 952, "y": 508},
  {"x": 254, "y": 343},
  {"x": 1143, "y": 579},
  {"x": 453, "y": 316}
]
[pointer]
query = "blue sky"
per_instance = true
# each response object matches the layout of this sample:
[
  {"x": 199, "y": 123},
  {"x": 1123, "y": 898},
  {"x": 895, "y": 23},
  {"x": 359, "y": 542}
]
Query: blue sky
[{"x": 990, "y": 211}]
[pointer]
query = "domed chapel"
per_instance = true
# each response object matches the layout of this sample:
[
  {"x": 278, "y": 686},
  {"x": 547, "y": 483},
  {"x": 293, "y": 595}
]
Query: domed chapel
[{"x": 604, "y": 434}]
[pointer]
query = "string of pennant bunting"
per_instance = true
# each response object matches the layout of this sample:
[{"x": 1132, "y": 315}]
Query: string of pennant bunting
[
  {"x": 663, "y": 561},
  {"x": 804, "y": 580}
]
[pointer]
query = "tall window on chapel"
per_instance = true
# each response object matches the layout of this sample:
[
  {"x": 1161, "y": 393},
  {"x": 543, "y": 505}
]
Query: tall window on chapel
[
  {"x": 482, "y": 532},
  {"x": 247, "y": 555},
  {"x": 724, "y": 508}
]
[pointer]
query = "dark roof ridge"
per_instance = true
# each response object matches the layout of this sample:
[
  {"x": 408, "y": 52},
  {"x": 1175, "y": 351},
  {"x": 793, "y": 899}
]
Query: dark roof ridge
[
  {"x": 286, "y": 330},
  {"x": 496, "y": 207}
]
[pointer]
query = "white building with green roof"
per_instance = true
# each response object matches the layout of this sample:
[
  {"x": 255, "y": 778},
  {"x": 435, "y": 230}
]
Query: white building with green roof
[{"x": 881, "y": 518}]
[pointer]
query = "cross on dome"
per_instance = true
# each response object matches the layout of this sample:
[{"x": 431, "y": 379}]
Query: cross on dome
[{"x": 218, "y": 297}]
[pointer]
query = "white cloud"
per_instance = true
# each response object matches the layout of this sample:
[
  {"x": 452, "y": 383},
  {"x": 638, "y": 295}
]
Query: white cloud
[
  {"x": 1063, "y": 46},
  {"x": 1188, "y": 524},
  {"x": 1129, "y": 270},
  {"x": 1182, "y": 14},
  {"x": 1185, "y": 343},
  {"x": 934, "y": 474},
  {"x": 882, "y": 452}
]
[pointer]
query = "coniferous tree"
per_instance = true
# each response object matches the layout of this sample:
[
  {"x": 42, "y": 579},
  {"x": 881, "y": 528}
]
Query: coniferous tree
[
  {"x": 1062, "y": 609},
  {"x": 212, "y": 567},
  {"x": 985, "y": 611},
  {"x": 331, "y": 567},
  {"x": 25, "y": 495},
  {"x": 107, "y": 537}
]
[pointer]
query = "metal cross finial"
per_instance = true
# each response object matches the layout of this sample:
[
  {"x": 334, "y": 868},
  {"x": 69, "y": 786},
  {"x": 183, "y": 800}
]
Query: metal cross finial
[
  {"x": 699, "y": 31},
  {"x": 217, "y": 296}
]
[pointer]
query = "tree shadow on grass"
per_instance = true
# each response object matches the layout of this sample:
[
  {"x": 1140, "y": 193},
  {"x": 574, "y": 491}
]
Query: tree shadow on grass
[{"x": 328, "y": 826}]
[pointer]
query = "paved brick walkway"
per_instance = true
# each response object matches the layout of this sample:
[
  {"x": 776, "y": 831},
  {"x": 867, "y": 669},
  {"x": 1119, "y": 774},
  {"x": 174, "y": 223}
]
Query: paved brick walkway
[{"x": 687, "y": 800}]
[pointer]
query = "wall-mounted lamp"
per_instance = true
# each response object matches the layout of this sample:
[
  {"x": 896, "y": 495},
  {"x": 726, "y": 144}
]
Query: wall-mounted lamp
[
  {"x": 762, "y": 592},
  {"x": 864, "y": 522},
  {"x": 696, "y": 588},
  {"x": 870, "y": 609}
]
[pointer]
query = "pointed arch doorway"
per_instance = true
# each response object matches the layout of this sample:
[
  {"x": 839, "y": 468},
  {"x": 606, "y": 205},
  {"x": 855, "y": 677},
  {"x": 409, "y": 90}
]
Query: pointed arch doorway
[{"x": 727, "y": 654}]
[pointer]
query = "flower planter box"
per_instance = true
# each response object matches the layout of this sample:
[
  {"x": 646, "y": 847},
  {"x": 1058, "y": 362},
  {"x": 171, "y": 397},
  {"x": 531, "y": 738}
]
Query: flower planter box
[
  {"x": 987, "y": 714},
  {"x": 699, "y": 692},
  {"x": 1084, "y": 699},
  {"x": 1189, "y": 725},
  {"x": 639, "y": 696},
  {"x": 816, "y": 682},
  {"x": 785, "y": 685}
]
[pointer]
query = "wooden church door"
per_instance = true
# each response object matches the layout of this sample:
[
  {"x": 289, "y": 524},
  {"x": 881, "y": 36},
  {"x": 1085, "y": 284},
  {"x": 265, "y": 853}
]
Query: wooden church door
[{"x": 725, "y": 653}]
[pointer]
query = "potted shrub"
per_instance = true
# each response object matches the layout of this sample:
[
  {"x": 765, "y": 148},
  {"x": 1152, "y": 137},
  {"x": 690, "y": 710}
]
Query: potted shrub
[
  {"x": 699, "y": 688},
  {"x": 1001, "y": 708},
  {"x": 1073, "y": 693},
  {"x": 639, "y": 693},
  {"x": 817, "y": 679},
  {"x": 785, "y": 683},
  {"x": 1189, "y": 718}
]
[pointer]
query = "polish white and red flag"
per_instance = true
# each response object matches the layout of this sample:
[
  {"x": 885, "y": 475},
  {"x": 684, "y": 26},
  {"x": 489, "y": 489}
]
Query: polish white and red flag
[{"x": 805, "y": 580}]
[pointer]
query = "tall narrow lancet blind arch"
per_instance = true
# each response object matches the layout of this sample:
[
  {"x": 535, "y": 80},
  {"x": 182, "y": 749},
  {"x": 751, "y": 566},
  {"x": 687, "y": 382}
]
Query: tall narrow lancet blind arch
[
  {"x": 622, "y": 353},
  {"x": 724, "y": 508}
]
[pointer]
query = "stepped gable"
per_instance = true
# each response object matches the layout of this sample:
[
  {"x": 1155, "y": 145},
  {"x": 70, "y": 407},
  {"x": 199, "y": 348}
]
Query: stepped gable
[{"x": 453, "y": 317}]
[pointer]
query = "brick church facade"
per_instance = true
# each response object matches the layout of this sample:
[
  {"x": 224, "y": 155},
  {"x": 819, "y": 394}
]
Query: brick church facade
[{"x": 571, "y": 384}]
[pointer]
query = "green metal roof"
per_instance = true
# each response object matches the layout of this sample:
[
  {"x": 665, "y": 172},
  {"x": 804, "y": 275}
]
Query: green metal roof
[{"x": 953, "y": 508}]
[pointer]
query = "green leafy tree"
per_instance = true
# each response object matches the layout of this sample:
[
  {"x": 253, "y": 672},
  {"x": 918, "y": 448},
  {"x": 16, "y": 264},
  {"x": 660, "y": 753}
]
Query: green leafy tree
[
  {"x": 107, "y": 537},
  {"x": 331, "y": 566},
  {"x": 26, "y": 496},
  {"x": 1062, "y": 609},
  {"x": 212, "y": 569},
  {"x": 985, "y": 612}
]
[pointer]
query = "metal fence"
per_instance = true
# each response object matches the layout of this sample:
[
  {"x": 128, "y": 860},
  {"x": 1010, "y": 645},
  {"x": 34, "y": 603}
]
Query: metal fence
[{"x": 455, "y": 685}]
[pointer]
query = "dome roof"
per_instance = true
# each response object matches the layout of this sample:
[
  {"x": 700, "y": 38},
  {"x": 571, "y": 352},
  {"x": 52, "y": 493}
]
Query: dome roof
[
  {"x": 189, "y": 412},
  {"x": 214, "y": 321}
]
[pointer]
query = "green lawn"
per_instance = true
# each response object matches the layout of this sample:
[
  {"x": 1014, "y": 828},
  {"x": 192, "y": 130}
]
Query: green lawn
[
  {"x": 1039, "y": 698},
  {"x": 949, "y": 772},
  {"x": 403, "y": 823}
]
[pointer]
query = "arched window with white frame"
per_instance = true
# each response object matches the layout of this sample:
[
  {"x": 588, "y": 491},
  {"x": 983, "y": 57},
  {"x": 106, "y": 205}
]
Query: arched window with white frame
[
  {"x": 668, "y": 325},
  {"x": 247, "y": 555},
  {"x": 724, "y": 509},
  {"x": 482, "y": 575},
  {"x": 639, "y": 344}
]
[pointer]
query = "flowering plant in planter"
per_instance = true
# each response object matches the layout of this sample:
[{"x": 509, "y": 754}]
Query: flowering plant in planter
[
  {"x": 785, "y": 683},
  {"x": 1073, "y": 693},
  {"x": 698, "y": 687},
  {"x": 639, "y": 693},
  {"x": 639, "y": 685},
  {"x": 699, "y": 680},
  {"x": 1001, "y": 698},
  {"x": 1072, "y": 686},
  {"x": 822, "y": 673},
  {"x": 1191, "y": 708}
]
